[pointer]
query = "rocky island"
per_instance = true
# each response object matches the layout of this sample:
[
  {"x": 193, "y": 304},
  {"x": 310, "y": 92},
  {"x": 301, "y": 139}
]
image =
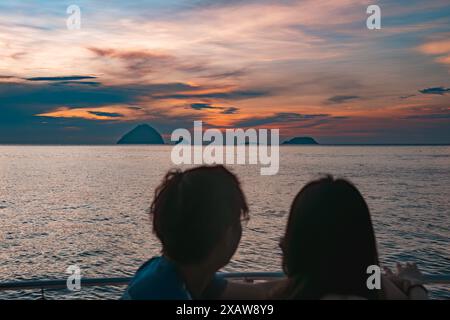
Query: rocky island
[
  {"x": 142, "y": 134},
  {"x": 301, "y": 141}
]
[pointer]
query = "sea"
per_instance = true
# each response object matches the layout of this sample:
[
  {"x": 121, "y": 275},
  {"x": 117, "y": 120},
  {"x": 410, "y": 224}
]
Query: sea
[{"x": 88, "y": 206}]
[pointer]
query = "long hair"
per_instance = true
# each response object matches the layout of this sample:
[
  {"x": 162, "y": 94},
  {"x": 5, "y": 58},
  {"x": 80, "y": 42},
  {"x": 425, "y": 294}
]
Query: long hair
[{"x": 329, "y": 242}]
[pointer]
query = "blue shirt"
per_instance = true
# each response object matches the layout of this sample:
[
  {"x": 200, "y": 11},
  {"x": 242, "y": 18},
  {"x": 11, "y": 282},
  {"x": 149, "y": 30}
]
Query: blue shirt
[{"x": 158, "y": 279}]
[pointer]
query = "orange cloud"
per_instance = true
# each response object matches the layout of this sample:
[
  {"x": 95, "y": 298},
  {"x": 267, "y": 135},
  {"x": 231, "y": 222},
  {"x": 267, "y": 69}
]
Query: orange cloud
[
  {"x": 436, "y": 47},
  {"x": 114, "y": 113},
  {"x": 444, "y": 60},
  {"x": 440, "y": 48}
]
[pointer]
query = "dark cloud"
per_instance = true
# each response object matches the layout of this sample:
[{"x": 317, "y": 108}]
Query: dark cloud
[
  {"x": 226, "y": 75},
  {"x": 34, "y": 27},
  {"x": 86, "y": 83},
  {"x": 232, "y": 95},
  {"x": 143, "y": 62},
  {"x": 131, "y": 55},
  {"x": 66, "y": 78},
  {"x": 25, "y": 99},
  {"x": 282, "y": 117},
  {"x": 341, "y": 99},
  {"x": 407, "y": 96},
  {"x": 201, "y": 106},
  {"x": 225, "y": 110},
  {"x": 435, "y": 90},
  {"x": 106, "y": 114},
  {"x": 230, "y": 110},
  {"x": 20, "y": 102},
  {"x": 139, "y": 62},
  {"x": 46, "y": 96}
]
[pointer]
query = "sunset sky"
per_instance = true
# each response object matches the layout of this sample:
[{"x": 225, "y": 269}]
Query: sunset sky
[{"x": 310, "y": 68}]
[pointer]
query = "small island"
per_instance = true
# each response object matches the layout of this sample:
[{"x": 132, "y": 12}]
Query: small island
[
  {"x": 142, "y": 134},
  {"x": 301, "y": 141}
]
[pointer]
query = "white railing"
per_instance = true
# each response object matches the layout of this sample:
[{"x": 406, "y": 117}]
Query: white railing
[{"x": 123, "y": 281}]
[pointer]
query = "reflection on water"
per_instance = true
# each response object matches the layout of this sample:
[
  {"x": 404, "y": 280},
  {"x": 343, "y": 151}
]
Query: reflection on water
[{"x": 87, "y": 206}]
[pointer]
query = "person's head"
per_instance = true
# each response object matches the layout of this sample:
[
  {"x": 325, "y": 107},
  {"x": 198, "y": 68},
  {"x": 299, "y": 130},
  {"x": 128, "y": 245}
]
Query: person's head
[
  {"x": 329, "y": 241},
  {"x": 197, "y": 215}
]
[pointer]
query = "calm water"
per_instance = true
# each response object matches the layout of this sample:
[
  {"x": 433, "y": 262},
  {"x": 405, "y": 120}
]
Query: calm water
[{"x": 87, "y": 206}]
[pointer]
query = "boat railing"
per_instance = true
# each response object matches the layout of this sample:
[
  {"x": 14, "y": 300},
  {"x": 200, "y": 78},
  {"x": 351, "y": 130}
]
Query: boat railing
[{"x": 248, "y": 277}]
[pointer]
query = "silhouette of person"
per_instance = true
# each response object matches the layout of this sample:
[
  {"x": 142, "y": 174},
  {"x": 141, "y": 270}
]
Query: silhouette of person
[
  {"x": 330, "y": 242},
  {"x": 197, "y": 217}
]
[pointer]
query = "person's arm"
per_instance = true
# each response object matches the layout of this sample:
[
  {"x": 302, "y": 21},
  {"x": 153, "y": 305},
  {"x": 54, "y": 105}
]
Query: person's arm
[
  {"x": 250, "y": 291},
  {"x": 409, "y": 280},
  {"x": 418, "y": 293},
  {"x": 391, "y": 288},
  {"x": 414, "y": 281}
]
